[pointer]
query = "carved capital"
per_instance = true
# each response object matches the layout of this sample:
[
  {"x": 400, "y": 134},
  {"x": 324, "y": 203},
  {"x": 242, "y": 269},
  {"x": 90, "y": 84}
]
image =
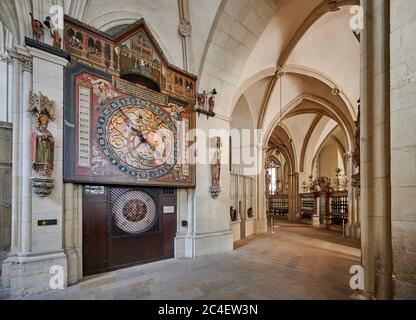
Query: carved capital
[
  {"x": 27, "y": 63},
  {"x": 7, "y": 59}
]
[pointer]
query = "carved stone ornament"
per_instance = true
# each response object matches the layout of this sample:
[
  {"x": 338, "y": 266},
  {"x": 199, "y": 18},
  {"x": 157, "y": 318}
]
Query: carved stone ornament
[
  {"x": 185, "y": 28},
  {"x": 216, "y": 169},
  {"x": 42, "y": 186},
  {"x": 336, "y": 91},
  {"x": 27, "y": 63},
  {"x": 43, "y": 144},
  {"x": 280, "y": 72},
  {"x": 6, "y": 59}
]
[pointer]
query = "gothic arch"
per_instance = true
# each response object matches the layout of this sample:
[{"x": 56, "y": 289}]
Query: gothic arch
[{"x": 320, "y": 106}]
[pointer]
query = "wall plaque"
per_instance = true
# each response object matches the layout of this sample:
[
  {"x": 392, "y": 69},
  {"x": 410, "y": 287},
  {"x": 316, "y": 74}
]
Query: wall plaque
[{"x": 47, "y": 222}]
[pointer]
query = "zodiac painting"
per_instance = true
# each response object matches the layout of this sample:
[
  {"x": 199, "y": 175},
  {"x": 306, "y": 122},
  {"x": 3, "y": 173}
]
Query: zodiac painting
[
  {"x": 120, "y": 138},
  {"x": 138, "y": 140}
]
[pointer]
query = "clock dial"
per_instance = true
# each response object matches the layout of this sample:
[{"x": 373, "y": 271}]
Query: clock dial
[
  {"x": 134, "y": 212},
  {"x": 138, "y": 138}
]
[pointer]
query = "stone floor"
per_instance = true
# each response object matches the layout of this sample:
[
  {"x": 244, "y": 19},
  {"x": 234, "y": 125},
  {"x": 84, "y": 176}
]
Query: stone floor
[{"x": 296, "y": 262}]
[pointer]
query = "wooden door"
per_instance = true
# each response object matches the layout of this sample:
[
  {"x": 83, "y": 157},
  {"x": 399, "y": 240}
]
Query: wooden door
[
  {"x": 94, "y": 230},
  {"x": 125, "y": 226}
]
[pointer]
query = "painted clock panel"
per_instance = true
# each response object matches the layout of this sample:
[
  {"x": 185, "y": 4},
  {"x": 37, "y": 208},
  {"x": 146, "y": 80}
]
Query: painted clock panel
[
  {"x": 137, "y": 137},
  {"x": 112, "y": 137}
]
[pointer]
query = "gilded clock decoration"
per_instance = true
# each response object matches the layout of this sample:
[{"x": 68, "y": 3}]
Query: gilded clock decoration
[{"x": 137, "y": 137}]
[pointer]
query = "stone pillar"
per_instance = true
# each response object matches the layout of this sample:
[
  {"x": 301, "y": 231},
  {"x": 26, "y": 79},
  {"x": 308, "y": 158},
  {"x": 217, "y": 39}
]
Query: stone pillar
[
  {"x": 293, "y": 197},
  {"x": 352, "y": 223},
  {"x": 10, "y": 82},
  {"x": 27, "y": 86},
  {"x": 356, "y": 186},
  {"x": 16, "y": 181},
  {"x": 375, "y": 208},
  {"x": 261, "y": 222},
  {"x": 403, "y": 146},
  {"x": 290, "y": 200},
  {"x": 297, "y": 198},
  {"x": 70, "y": 236},
  {"x": 185, "y": 30},
  {"x": 208, "y": 230},
  {"x": 40, "y": 247}
]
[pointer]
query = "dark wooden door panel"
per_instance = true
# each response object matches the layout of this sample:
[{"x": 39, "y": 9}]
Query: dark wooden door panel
[
  {"x": 169, "y": 231},
  {"x": 109, "y": 245},
  {"x": 133, "y": 250},
  {"x": 94, "y": 232}
]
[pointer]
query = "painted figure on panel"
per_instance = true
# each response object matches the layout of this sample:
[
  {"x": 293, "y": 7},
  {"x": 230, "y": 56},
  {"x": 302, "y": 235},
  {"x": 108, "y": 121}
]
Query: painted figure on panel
[{"x": 102, "y": 89}]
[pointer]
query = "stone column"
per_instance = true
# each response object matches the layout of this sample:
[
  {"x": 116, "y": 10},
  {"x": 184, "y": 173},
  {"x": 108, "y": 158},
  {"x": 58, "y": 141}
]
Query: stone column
[
  {"x": 16, "y": 183},
  {"x": 27, "y": 84},
  {"x": 185, "y": 30},
  {"x": 70, "y": 202},
  {"x": 375, "y": 208},
  {"x": 293, "y": 196},
  {"x": 403, "y": 146},
  {"x": 350, "y": 229},
  {"x": 297, "y": 197},
  {"x": 261, "y": 222},
  {"x": 10, "y": 82},
  {"x": 41, "y": 247},
  {"x": 356, "y": 187},
  {"x": 209, "y": 224}
]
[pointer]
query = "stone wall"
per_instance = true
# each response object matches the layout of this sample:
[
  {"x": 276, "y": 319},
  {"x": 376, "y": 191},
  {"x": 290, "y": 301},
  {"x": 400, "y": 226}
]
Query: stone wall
[
  {"x": 208, "y": 230},
  {"x": 403, "y": 146},
  {"x": 38, "y": 248}
]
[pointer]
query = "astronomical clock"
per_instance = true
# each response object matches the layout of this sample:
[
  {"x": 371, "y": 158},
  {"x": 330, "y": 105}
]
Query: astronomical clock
[{"x": 128, "y": 112}]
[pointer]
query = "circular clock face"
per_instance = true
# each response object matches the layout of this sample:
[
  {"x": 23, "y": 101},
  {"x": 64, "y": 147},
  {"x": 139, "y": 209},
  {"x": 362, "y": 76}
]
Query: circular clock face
[
  {"x": 137, "y": 137},
  {"x": 135, "y": 212}
]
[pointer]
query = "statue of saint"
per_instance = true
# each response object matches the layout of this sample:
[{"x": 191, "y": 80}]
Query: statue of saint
[
  {"x": 216, "y": 169},
  {"x": 268, "y": 182},
  {"x": 44, "y": 147},
  {"x": 216, "y": 163}
]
